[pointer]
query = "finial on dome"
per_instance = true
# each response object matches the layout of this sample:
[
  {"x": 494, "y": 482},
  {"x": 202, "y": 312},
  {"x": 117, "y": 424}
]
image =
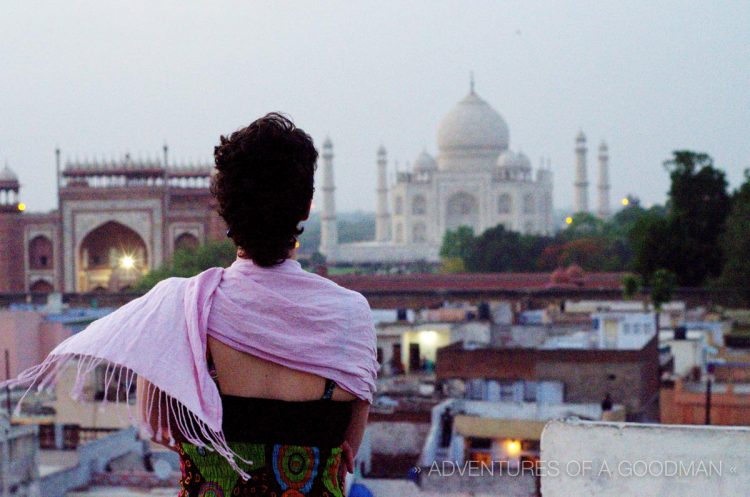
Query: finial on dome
[
  {"x": 327, "y": 143},
  {"x": 471, "y": 82}
]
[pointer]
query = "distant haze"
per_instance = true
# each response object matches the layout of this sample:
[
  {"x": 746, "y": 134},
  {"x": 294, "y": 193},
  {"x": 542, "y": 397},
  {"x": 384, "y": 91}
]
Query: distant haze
[{"x": 648, "y": 77}]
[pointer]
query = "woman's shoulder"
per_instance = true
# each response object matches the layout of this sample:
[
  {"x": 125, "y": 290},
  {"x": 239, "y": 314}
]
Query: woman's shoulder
[{"x": 345, "y": 296}]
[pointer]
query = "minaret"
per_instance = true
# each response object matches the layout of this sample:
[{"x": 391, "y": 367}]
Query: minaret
[
  {"x": 328, "y": 231},
  {"x": 603, "y": 210},
  {"x": 382, "y": 216},
  {"x": 581, "y": 184}
]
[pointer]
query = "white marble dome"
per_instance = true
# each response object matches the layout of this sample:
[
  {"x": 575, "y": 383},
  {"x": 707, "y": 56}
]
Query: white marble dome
[
  {"x": 507, "y": 160},
  {"x": 472, "y": 125},
  {"x": 523, "y": 161},
  {"x": 425, "y": 162}
]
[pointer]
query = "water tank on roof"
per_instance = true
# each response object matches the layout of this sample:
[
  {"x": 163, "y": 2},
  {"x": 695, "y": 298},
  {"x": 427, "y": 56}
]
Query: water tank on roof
[
  {"x": 359, "y": 490},
  {"x": 680, "y": 333},
  {"x": 483, "y": 311}
]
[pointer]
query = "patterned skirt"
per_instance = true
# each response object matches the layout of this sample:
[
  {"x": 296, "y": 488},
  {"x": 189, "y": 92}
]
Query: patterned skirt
[{"x": 277, "y": 471}]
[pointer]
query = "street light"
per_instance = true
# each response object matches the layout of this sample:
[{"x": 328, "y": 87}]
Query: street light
[{"x": 625, "y": 201}]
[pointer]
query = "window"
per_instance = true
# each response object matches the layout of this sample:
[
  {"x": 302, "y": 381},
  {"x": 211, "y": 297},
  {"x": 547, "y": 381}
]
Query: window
[
  {"x": 529, "y": 391},
  {"x": 504, "y": 203},
  {"x": 419, "y": 233},
  {"x": 419, "y": 205},
  {"x": 399, "y": 233},
  {"x": 528, "y": 204},
  {"x": 40, "y": 253}
]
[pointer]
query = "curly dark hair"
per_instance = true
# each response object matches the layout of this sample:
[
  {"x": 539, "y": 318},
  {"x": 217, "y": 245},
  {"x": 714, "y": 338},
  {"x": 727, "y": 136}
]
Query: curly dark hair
[{"x": 264, "y": 186}]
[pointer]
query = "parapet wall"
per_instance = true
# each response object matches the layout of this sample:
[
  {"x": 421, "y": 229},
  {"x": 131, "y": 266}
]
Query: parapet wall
[{"x": 581, "y": 458}]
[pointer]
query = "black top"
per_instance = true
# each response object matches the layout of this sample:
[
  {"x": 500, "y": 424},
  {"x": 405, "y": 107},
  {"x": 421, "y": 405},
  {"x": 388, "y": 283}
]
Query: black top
[{"x": 316, "y": 423}]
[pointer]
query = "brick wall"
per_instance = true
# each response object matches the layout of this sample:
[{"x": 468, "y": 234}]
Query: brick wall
[{"x": 11, "y": 253}]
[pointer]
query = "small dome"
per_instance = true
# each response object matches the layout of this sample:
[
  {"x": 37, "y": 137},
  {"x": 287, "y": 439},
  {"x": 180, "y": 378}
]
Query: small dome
[
  {"x": 523, "y": 162},
  {"x": 472, "y": 125},
  {"x": 382, "y": 151},
  {"x": 327, "y": 143},
  {"x": 424, "y": 162},
  {"x": 575, "y": 273},
  {"x": 8, "y": 175},
  {"x": 507, "y": 159},
  {"x": 559, "y": 277},
  {"x": 514, "y": 166}
]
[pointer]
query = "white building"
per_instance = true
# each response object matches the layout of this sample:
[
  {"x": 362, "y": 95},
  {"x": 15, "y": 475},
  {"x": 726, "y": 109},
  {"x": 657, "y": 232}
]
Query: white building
[{"x": 476, "y": 181}]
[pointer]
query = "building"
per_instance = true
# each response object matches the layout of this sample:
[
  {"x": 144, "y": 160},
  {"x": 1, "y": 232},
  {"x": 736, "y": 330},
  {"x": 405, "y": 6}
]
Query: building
[
  {"x": 499, "y": 441},
  {"x": 549, "y": 368},
  {"x": 116, "y": 220},
  {"x": 475, "y": 181},
  {"x": 19, "y": 449},
  {"x": 28, "y": 336}
]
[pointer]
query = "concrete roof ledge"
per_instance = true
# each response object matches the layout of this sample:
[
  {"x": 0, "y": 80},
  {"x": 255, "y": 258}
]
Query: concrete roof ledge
[{"x": 599, "y": 458}]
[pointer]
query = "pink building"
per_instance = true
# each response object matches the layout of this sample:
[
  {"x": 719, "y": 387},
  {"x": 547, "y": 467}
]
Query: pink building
[{"x": 28, "y": 337}]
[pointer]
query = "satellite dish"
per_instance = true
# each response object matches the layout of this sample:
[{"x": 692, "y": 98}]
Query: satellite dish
[{"x": 162, "y": 469}]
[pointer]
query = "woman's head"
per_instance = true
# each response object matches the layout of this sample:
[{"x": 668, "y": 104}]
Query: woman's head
[{"x": 264, "y": 186}]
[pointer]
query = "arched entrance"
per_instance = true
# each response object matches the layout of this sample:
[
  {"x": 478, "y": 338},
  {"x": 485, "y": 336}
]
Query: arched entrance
[
  {"x": 40, "y": 253},
  {"x": 462, "y": 209},
  {"x": 41, "y": 286},
  {"x": 186, "y": 241},
  {"x": 111, "y": 257}
]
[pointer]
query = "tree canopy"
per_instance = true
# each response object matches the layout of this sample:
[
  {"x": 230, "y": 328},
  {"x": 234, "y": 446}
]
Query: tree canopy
[
  {"x": 686, "y": 242},
  {"x": 735, "y": 242},
  {"x": 189, "y": 262}
]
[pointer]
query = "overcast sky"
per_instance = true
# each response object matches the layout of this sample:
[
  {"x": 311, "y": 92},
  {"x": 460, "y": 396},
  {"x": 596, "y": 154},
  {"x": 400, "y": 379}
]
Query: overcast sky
[{"x": 648, "y": 77}]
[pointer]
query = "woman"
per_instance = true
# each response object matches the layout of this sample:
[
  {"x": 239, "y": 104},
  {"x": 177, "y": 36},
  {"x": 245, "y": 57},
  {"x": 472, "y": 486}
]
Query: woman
[{"x": 259, "y": 375}]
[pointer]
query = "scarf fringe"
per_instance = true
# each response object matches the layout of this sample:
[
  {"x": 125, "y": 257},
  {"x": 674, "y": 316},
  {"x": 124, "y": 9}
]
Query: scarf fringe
[{"x": 170, "y": 414}]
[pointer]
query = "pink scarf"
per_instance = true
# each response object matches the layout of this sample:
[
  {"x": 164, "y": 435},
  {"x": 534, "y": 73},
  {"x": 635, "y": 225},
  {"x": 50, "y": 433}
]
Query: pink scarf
[{"x": 283, "y": 314}]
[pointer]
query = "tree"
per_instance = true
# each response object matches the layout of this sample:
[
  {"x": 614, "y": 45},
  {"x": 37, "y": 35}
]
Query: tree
[
  {"x": 189, "y": 262},
  {"x": 699, "y": 206},
  {"x": 457, "y": 243},
  {"x": 687, "y": 241},
  {"x": 654, "y": 244},
  {"x": 500, "y": 250},
  {"x": 630, "y": 286},
  {"x": 663, "y": 285},
  {"x": 584, "y": 225},
  {"x": 736, "y": 242}
]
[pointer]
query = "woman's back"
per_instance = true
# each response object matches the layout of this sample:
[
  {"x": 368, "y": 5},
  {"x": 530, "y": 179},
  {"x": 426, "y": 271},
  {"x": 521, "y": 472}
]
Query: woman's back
[
  {"x": 245, "y": 375},
  {"x": 290, "y": 423}
]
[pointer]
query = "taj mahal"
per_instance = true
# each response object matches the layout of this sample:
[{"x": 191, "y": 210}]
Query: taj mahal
[
  {"x": 476, "y": 180},
  {"x": 117, "y": 219}
]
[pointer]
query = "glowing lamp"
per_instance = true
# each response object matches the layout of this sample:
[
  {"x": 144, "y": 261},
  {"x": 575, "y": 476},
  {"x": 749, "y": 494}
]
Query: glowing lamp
[
  {"x": 127, "y": 262},
  {"x": 428, "y": 337},
  {"x": 21, "y": 206},
  {"x": 626, "y": 201},
  {"x": 568, "y": 220},
  {"x": 513, "y": 448}
]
